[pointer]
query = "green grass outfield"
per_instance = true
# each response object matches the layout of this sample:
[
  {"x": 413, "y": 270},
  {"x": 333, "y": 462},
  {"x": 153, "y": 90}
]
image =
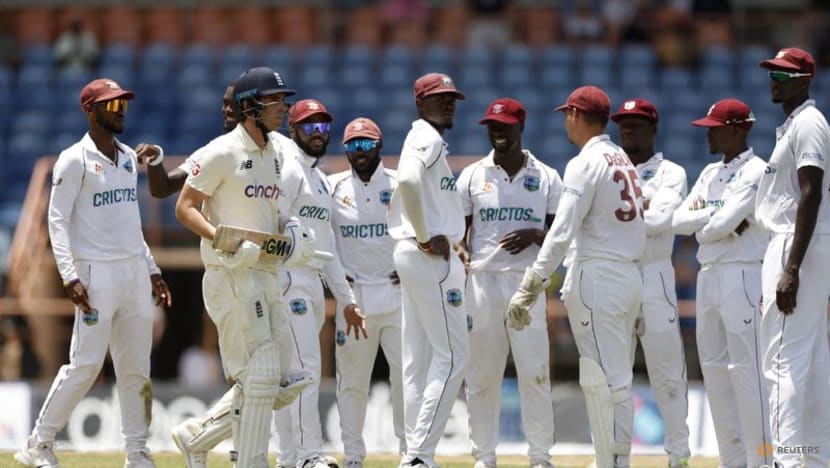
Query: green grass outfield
[{"x": 174, "y": 460}]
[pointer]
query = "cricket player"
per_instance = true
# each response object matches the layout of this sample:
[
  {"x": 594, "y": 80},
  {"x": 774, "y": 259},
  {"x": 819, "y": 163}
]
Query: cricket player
[
  {"x": 108, "y": 273},
  {"x": 792, "y": 206},
  {"x": 306, "y": 194},
  {"x": 426, "y": 219},
  {"x": 235, "y": 181},
  {"x": 360, "y": 202},
  {"x": 601, "y": 213},
  {"x": 719, "y": 211},
  {"x": 509, "y": 199},
  {"x": 657, "y": 326}
]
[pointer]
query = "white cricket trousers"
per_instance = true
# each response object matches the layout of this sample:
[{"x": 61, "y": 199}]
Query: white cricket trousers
[
  {"x": 729, "y": 346},
  {"x": 299, "y": 431},
  {"x": 603, "y": 299},
  {"x": 658, "y": 328},
  {"x": 355, "y": 361},
  {"x": 488, "y": 294},
  {"x": 435, "y": 346},
  {"x": 120, "y": 290},
  {"x": 796, "y": 356}
]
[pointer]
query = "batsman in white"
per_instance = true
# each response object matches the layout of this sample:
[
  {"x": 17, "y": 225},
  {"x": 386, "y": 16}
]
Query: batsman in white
[
  {"x": 657, "y": 326},
  {"x": 235, "y": 181},
  {"x": 792, "y": 205},
  {"x": 108, "y": 272},
  {"x": 719, "y": 211},
  {"x": 361, "y": 199},
  {"x": 509, "y": 199},
  {"x": 426, "y": 220},
  {"x": 306, "y": 194},
  {"x": 601, "y": 212}
]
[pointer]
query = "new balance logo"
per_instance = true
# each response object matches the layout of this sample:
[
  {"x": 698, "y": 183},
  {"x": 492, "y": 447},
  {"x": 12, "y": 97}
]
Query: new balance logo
[{"x": 246, "y": 164}]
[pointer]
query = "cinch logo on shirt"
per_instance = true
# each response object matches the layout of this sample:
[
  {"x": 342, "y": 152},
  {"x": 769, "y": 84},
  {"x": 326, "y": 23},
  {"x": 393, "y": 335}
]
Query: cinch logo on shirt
[
  {"x": 262, "y": 191},
  {"x": 111, "y": 197},
  {"x": 448, "y": 183},
  {"x": 314, "y": 212},
  {"x": 507, "y": 214},
  {"x": 363, "y": 231}
]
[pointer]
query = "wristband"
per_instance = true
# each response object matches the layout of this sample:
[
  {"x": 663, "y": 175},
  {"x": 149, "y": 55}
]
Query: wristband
[
  {"x": 158, "y": 160},
  {"x": 71, "y": 282}
]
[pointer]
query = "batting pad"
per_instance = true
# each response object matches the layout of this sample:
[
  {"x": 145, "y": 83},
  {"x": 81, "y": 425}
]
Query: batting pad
[
  {"x": 600, "y": 404},
  {"x": 213, "y": 427},
  {"x": 259, "y": 389}
]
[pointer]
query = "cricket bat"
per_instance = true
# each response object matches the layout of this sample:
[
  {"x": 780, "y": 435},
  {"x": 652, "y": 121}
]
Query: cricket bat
[{"x": 273, "y": 247}]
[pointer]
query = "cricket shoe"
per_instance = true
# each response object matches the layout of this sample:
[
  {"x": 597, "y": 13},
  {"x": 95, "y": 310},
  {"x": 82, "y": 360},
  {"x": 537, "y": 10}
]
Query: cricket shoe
[
  {"x": 182, "y": 433},
  {"x": 541, "y": 464},
  {"x": 290, "y": 388},
  {"x": 481, "y": 464},
  {"x": 414, "y": 463},
  {"x": 38, "y": 454},
  {"x": 353, "y": 464},
  {"x": 318, "y": 462},
  {"x": 139, "y": 459}
]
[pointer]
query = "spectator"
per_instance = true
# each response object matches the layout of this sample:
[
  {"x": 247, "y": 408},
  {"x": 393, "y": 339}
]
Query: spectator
[
  {"x": 17, "y": 357},
  {"x": 9, "y": 47},
  {"x": 583, "y": 25},
  {"x": 76, "y": 48},
  {"x": 490, "y": 25}
]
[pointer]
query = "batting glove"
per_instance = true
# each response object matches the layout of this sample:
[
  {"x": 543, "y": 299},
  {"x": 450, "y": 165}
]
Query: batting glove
[
  {"x": 302, "y": 243},
  {"x": 245, "y": 256},
  {"x": 518, "y": 310}
]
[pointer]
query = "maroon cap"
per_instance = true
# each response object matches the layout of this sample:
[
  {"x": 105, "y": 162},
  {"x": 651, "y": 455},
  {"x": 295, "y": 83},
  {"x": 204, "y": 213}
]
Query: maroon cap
[
  {"x": 103, "y": 89},
  {"x": 588, "y": 99},
  {"x": 362, "y": 127},
  {"x": 727, "y": 112},
  {"x": 435, "y": 83},
  {"x": 793, "y": 59},
  {"x": 505, "y": 110},
  {"x": 638, "y": 108},
  {"x": 304, "y": 109}
]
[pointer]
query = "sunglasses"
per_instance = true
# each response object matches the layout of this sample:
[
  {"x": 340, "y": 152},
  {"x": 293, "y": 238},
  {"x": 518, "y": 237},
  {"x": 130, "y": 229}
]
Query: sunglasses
[
  {"x": 309, "y": 128},
  {"x": 783, "y": 77},
  {"x": 362, "y": 144},
  {"x": 116, "y": 105}
]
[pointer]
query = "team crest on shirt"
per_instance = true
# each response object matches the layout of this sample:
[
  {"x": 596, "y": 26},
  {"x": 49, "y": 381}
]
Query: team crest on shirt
[
  {"x": 531, "y": 183},
  {"x": 128, "y": 166},
  {"x": 196, "y": 169},
  {"x": 386, "y": 196},
  {"x": 98, "y": 168},
  {"x": 647, "y": 174},
  {"x": 298, "y": 307},
  {"x": 340, "y": 338},
  {"x": 488, "y": 187},
  {"x": 346, "y": 201},
  {"x": 454, "y": 297}
]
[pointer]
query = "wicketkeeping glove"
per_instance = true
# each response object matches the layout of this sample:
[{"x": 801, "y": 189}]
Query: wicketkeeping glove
[
  {"x": 302, "y": 243},
  {"x": 246, "y": 255},
  {"x": 518, "y": 310}
]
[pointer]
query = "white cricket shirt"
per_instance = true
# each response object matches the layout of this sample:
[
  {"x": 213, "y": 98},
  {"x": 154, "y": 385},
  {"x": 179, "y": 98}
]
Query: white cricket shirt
[
  {"x": 93, "y": 208},
  {"x": 664, "y": 183},
  {"x": 803, "y": 140},
  {"x": 499, "y": 206},
  {"x": 600, "y": 209},
  {"x": 729, "y": 191},
  {"x": 439, "y": 196},
  {"x": 242, "y": 182}
]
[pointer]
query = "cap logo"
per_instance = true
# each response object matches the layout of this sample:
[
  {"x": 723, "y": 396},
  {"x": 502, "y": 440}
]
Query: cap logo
[
  {"x": 112, "y": 85},
  {"x": 497, "y": 109},
  {"x": 313, "y": 106},
  {"x": 446, "y": 81},
  {"x": 710, "y": 110},
  {"x": 279, "y": 79},
  {"x": 781, "y": 54},
  {"x": 358, "y": 126},
  {"x": 629, "y": 105}
]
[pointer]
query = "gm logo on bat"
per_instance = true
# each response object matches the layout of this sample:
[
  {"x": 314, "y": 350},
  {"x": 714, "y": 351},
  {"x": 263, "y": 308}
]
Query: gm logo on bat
[{"x": 278, "y": 248}]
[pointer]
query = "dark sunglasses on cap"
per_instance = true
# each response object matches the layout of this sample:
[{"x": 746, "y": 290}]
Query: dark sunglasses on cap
[
  {"x": 783, "y": 76},
  {"x": 116, "y": 105},
  {"x": 309, "y": 128},
  {"x": 362, "y": 144}
]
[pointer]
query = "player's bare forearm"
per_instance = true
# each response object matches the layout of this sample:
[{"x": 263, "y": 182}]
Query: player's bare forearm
[
  {"x": 187, "y": 212},
  {"x": 810, "y": 182},
  {"x": 162, "y": 184}
]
